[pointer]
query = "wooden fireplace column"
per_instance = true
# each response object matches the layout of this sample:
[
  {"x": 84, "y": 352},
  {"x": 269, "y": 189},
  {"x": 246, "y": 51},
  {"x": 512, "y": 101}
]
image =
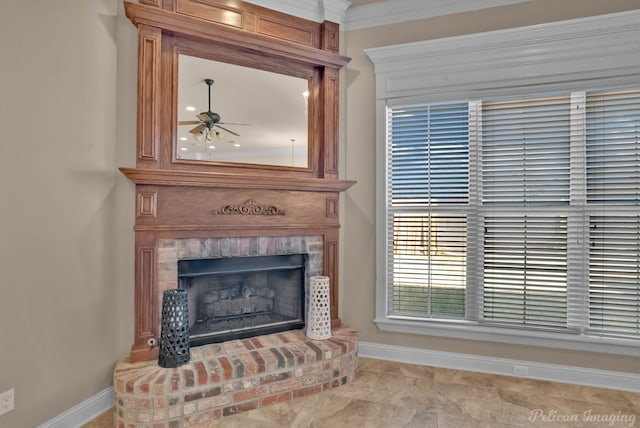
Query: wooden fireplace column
[{"x": 181, "y": 199}]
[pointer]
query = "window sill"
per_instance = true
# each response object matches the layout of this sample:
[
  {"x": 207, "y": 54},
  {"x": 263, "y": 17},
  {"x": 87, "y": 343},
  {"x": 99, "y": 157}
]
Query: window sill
[{"x": 514, "y": 336}]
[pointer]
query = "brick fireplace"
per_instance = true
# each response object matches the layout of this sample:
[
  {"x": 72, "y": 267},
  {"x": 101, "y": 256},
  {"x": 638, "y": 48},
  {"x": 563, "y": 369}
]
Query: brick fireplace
[
  {"x": 222, "y": 379},
  {"x": 190, "y": 209},
  {"x": 171, "y": 251}
]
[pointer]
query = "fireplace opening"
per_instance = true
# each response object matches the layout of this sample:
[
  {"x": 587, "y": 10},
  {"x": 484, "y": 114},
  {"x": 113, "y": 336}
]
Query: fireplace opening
[{"x": 239, "y": 297}]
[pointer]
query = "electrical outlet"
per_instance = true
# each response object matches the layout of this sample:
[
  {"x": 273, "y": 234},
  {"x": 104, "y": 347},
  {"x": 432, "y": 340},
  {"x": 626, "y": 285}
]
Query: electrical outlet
[
  {"x": 520, "y": 370},
  {"x": 6, "y": 402}
]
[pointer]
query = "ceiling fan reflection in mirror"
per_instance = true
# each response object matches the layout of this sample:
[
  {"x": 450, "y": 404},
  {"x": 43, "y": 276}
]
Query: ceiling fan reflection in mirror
[{"x": 208, "y": 123}]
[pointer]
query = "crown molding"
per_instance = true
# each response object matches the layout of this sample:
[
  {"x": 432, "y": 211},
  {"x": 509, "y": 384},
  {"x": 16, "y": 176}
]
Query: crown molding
[
  {"x": 564, "y": 55},
  {"x": 313, "y": 10},
  {"x": 374, "y": 14},
  {"x": 394, "y": 11}
]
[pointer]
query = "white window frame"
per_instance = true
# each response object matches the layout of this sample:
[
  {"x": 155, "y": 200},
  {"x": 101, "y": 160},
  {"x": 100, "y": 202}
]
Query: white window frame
[{"x": 559, "y": 56}]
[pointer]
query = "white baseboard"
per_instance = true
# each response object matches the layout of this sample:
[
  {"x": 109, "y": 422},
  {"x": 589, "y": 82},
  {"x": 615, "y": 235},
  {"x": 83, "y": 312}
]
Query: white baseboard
[
  {"x": 541, "y": 371},
  {"x": 83, "y": 412}
]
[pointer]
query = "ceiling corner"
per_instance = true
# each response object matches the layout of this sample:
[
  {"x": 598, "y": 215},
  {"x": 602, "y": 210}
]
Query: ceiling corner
[
  {"x": 386, "y": 12},
  {"x": 313, "y": 10}
]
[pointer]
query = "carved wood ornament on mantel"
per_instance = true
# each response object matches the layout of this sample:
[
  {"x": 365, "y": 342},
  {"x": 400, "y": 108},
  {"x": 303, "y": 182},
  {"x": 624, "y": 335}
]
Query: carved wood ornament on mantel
[
  {"x": 248, "y": 207},
  {"x": 171, "y": 193}
]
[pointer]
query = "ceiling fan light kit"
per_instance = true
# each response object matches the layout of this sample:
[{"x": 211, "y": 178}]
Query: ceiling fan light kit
[{"x": 207, "y": 120}]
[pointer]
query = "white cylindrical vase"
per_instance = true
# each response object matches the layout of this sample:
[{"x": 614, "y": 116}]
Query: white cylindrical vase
[{"x": 319, "y": 316}]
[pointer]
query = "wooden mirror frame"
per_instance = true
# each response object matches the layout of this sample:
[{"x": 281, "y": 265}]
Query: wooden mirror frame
[
  {"x": 299, "y": 80},
  {"x": 242, "y": 34}
]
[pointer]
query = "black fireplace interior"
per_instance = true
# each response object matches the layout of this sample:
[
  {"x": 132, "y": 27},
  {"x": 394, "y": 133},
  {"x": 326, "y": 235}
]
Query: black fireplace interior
[{"x": 240, "y": 297}]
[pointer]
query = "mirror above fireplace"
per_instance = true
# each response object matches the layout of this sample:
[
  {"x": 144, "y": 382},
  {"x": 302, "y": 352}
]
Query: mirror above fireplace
[{"x": 263, "y": 115}]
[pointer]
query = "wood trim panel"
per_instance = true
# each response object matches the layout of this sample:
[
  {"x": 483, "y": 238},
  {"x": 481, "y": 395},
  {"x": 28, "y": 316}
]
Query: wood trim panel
[
  {"x": 330, "y": 36},
  {"x": 154, "y": 3},
  {"x": 146, "y": 272},
  {"x": 254, "y": 19},
  {"x": 330, "y": 87},
  {"x": 149, "y": 56},
  {"x": 146, "y": 320},
  {"x": 332, "y": 207},
  {"x": 212, "y": 11},
  {"x": 286, "y": 30},
  {"x": 331, "y": 269},
  {"x": 147, "y": 204}
]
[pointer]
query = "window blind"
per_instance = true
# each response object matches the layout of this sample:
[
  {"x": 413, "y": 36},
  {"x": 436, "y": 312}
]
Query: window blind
[
  {"x": 525, "y": 151},
  {"x": 517, "y": 212},
  {"x": 427, "y": 175},
  {"x": 613, "y": 147},
  {"x": 429, "y": 155},
  {"x": 613, "y": 196},
  {"x": 429, "y": 265},
  {"x": 525, "y": 270},
  {"x": 525, "y": 163},
  {"x": 614, "y": 274}
]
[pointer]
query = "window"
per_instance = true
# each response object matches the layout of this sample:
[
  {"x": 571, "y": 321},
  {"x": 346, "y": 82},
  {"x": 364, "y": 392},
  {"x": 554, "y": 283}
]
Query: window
[
  {"x": 613, "y": 196},
  {"x": 428, "y": 168},
  {"x": 520, "y": 213},
  {"x": 536, "y": 241},
  {"x": 524, "y": 166}
]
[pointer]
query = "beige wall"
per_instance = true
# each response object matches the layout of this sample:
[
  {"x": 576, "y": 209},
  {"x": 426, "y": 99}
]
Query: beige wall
[
  {"x": 67, "y": 115},
  {"x": 358, "y": 160}
]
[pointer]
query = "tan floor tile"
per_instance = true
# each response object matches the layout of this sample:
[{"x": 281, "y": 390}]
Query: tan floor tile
[
  {"x": 362, "y": 386},
  {"x": 405, "y": 390},
  {"x": 105, "y": 420},
  {"x": 394, "y": 395},
  {"x": 337, "y": 413}
]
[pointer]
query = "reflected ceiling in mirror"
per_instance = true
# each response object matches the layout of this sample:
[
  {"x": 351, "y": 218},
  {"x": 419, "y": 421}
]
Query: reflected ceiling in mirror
[{"x": 256, "y": 116}]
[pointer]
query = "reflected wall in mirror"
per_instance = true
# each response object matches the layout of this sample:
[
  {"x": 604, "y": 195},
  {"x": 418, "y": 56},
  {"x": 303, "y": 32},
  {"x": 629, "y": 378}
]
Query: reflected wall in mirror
[{"x": 256, "y": 116}]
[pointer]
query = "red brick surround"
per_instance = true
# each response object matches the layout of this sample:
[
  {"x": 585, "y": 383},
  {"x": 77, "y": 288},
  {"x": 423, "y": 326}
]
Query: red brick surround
[{"x": 231, "y": 377}]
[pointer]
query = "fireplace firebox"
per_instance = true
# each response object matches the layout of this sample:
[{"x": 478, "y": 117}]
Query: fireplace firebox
[{"x": 239, "y": 297}]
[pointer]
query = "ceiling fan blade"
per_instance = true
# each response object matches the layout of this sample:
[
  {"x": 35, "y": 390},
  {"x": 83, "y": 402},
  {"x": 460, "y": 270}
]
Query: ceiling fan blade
[
  {"x": 227, "y": 130},
  {"x": 234, "y": 123},
  {"x": 189, "y": 122},
  {"x": 204, "y": 117},
  {"x": 198, "y": 129}
]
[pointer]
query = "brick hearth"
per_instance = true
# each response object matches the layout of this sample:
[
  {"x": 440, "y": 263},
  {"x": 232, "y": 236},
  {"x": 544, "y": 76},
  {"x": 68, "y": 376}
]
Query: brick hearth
[{"x": 231, "y": 377}]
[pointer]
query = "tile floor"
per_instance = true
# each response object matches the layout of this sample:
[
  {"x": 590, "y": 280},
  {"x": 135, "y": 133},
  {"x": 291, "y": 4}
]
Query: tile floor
[{"x": 396, "y": 395}]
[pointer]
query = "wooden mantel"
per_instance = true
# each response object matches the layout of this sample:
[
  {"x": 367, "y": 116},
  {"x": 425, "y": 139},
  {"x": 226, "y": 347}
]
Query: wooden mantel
[
  {"x": 186, "y": 199},
  {"x": 162, "y": 177}
]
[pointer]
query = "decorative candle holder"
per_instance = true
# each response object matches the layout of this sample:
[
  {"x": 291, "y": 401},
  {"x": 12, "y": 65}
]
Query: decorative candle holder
[
  {"x": 174, "y": 336},
  {"x": 319, "y": 316}
]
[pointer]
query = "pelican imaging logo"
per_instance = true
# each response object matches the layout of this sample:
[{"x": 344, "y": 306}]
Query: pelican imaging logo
[{"x": 606, "y": 419}]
